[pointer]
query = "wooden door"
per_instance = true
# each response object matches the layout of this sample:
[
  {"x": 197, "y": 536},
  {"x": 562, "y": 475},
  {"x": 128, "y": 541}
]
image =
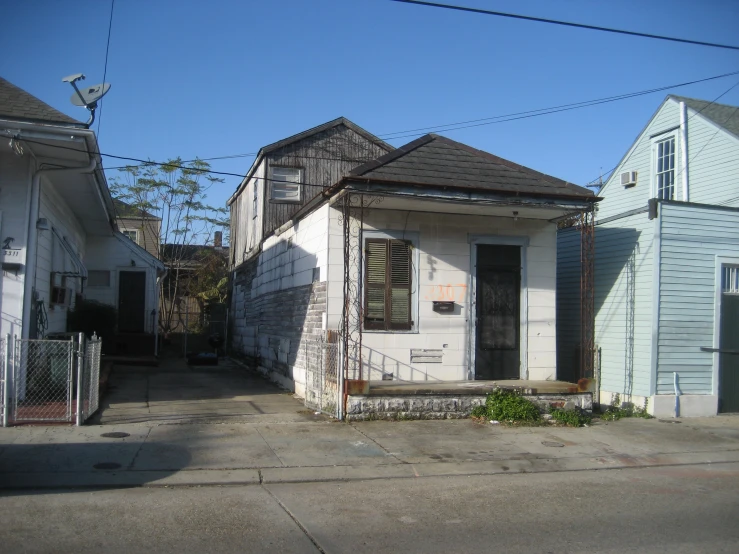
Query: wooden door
[
  {"x": 131, "y": 301},
  {"x": 729, "y": 354},
  {"x": 497, "y": 312}
]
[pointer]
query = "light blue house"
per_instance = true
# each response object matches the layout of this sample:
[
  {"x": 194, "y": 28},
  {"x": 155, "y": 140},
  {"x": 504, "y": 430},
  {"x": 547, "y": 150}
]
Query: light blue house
[{"x": 666, "y": 266}]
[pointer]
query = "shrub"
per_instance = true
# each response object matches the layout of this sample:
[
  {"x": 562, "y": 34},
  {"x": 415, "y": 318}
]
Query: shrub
[
  {"x": 507, "y": 405},
  {"x": 615, "y": 411},
  {"x": 573, "y": 418}
]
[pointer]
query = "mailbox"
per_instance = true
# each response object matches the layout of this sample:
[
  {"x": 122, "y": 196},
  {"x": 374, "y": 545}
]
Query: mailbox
[{"x": 443, "y": 307}]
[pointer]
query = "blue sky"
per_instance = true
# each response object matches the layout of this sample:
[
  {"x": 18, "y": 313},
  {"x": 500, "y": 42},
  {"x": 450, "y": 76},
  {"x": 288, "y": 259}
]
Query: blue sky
[{"x": 195, "y": 78}]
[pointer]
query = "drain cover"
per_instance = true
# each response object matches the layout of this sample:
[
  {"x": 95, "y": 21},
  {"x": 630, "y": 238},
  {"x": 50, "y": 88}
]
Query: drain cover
[
  {"x": 552, "y": 444},
  {"x": 115, "y": 435},
  {"x": 107, "y": 465}
]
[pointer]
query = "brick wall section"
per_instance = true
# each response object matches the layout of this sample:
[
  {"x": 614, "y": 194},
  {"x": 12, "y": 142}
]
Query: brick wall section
[{"x": 277, "y": 332}]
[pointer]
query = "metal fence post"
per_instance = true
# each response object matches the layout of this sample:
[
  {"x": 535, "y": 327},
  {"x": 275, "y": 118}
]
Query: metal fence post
[
  {"x": 6, "y": 380},
  {"x": 80, "y": 376}
]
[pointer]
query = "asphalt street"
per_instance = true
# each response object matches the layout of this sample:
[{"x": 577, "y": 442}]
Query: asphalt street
[{"x": 669, "y": 509}]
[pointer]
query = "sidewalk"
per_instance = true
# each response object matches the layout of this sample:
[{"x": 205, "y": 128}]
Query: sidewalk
[{"x": 229, "y": 453}]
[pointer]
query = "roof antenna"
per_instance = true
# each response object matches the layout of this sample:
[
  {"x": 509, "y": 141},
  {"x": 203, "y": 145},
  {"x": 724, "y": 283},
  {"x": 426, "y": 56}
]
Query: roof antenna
[{"x": 88, "y": 96}]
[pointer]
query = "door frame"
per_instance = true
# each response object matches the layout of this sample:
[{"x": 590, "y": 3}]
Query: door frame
[
  {"x": 721, "y": 261},
  {"x": 500, "y": 240},
  {"x": 132, "y": 269}
]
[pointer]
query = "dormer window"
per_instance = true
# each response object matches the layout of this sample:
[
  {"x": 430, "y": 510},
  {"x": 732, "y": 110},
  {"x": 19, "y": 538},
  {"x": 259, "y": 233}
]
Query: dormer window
[
  {"x": 285, "y": 184},
  {"x": 665, "y": 171}
]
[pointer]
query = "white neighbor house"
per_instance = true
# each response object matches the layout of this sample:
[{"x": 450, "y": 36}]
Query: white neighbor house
[
  {"x": 57, "y": 226},
  {"x": 666, "y": 265},
  {"x": 453, "y": 271}
]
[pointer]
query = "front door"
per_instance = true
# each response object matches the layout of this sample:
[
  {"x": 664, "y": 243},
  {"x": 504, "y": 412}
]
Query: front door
[
  {"x": 728, "y": 369},
  {"x": 131, "y": 301},
  {"x": 497, "y": 312}
]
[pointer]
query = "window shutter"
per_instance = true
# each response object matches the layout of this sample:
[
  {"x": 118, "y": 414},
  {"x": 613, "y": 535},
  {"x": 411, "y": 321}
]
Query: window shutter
[
  {"x": 375, "y": 277},
  {"x": 387, "y": 285}
]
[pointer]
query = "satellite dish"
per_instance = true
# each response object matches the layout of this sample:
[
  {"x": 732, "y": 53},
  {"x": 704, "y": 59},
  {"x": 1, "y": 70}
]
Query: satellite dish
[{"x": 87, "y": 97}]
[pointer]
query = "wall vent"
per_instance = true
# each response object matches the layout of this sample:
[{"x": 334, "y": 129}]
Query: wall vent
[{"x": 628, "y": 178}]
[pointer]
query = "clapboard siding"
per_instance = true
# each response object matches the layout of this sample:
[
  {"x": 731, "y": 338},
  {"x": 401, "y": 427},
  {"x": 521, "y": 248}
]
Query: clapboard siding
[
  {"x": 692, "y": 236},
  {"x": 617, "y": 199},
  {"x": 713, "y": 156},
  {"x": 623, "y": 300},
  {"x": 324, "y": 158}
]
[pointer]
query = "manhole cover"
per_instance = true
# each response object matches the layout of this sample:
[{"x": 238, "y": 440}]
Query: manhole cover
[
  {"x": 107, "y": 465},
  {"x": 115, "y": 435},
  {"x": 552, "y": 444}
]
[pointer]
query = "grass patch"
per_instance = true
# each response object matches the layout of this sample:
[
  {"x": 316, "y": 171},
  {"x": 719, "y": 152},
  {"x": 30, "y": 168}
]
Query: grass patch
[
  {"x": 507, "y": 406},
  {"x": 615, "y": 411}
]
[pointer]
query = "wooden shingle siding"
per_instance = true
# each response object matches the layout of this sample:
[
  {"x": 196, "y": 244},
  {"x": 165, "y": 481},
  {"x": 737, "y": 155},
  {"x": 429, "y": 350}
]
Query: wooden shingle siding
[
  {"x": 692, "y": 236},
  {"x": 623, "y": 303},
  {"x": 324, "y": 158}
]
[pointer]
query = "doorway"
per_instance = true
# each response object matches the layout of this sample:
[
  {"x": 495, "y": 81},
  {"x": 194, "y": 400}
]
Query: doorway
[
  {"x": 131, "y": 301},
  {"x": 498, "y": 312},
  {"x": 728, "y": 368}
]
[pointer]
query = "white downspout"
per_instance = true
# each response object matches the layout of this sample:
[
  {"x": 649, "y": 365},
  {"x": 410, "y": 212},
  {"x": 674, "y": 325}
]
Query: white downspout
[
  {"x": 684, "y": 149},
  {"x": 29, "y": 272}
]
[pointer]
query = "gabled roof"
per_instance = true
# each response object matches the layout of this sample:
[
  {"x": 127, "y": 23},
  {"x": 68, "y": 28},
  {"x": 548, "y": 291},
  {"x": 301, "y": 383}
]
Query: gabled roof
[
  {"x": 126, "y": 211},
  {"x": 722, "y": 115},
  {"x": 17, "y": 104},
  {"x": 324, "y": 127},
  {"x": 434, "y": 160},
  {"x": 303, "y": 135}
]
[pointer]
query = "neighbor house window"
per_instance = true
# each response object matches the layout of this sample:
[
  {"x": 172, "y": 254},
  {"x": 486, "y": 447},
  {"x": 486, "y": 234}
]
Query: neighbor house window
[
  {"x": 255, "y": 205},
  {"x": 388, "y": 284},
  {"x": 666, "y": 169},
  {"x": 133, "y": 235},
  {"x": 285, "y": 184},
  {"x": 98, "y": 278},
  {"x": 730, "y": 279}
]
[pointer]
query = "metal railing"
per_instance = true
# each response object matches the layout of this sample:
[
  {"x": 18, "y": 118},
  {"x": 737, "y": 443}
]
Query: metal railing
[
  {"x": 52, "y": 380},
  {"x": 322, "y": 390}
]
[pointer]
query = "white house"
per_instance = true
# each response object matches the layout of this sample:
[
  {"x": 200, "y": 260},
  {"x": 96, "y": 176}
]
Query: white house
[
  {"x": 437, "y": 261},
  {"x": 57, "y": 226},
  {"x": 666, "y": 265}
]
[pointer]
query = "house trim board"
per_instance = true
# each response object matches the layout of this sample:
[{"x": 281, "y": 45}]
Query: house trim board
[
  {"x": 728, "y": 258},
  {"x": 656, "y": 290},
  {"x": 523, "y": 242},
  {"x": 637, "y": 211}
]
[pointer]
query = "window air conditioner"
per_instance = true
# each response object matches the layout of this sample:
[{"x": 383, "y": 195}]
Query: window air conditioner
[{"x": 628, "y": 179}]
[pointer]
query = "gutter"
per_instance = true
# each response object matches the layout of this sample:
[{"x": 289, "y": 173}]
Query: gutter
[{"x": 29, "y": 272}]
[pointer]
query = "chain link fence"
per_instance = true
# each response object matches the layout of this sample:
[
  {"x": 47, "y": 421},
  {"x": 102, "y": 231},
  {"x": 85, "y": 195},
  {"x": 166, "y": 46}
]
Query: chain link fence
[
  {"x": 5, "y": 369},
  {"x": 54, "y": 380},
  {"x": 322, "y": 374}
]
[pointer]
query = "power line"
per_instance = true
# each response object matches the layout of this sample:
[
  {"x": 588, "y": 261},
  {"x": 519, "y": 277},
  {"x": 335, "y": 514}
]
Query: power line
[
  {"x": 105, "y": 70},
  {"x": 567, "y": 24}
]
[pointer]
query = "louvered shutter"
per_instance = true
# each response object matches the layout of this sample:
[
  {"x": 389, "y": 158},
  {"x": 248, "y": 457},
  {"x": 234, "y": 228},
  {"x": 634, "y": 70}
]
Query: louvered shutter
[
  {"x": 400, "y": 285},
  {"x": 375, "y": 284},
  {"x": 387, "y": 285}
]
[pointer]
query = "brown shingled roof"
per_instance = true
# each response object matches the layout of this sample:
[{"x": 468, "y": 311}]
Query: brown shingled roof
[
  {"x": 17, "y": 104},
  {"x": 438, "y": 161}
]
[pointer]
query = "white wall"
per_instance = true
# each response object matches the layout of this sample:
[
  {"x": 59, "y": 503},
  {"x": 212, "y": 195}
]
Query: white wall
[
  {"x": 15, "y": 185},
  {"x": 282, "y": 267},
  {"x": 51, "y": 255},
  {"x": 444, "y": 274},
  {"x": 110, "y": 254}
]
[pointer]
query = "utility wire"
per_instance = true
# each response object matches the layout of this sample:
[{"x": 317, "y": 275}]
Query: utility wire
[
  {"x": 500, "y": 118},
  {"x": 105, "y": 70},
  {"x": 567, "y": 24}
]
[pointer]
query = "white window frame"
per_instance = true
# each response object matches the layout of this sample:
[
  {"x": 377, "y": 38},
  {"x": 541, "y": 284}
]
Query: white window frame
[
  {"x": 255, "y": 199},
  {"x": 135, "y": 234},
  {"x": 657, "y": 141},
  {"x": 285, "y": 188},
  {"x": 413, "y": 238}
]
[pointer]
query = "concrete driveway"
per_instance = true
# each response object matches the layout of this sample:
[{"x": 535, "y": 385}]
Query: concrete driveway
[{"x": 177, "y": 393}]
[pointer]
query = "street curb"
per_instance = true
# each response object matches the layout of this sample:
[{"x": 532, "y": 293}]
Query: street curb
[{"x": 286, "y": 475}]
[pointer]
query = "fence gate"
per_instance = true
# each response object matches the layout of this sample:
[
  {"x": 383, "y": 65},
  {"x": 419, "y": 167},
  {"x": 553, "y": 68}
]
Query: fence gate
[
  {"x": 322, "y": 374},
  {"x": 4, "y": 384},
  {"x": 55, "y": 380}
]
